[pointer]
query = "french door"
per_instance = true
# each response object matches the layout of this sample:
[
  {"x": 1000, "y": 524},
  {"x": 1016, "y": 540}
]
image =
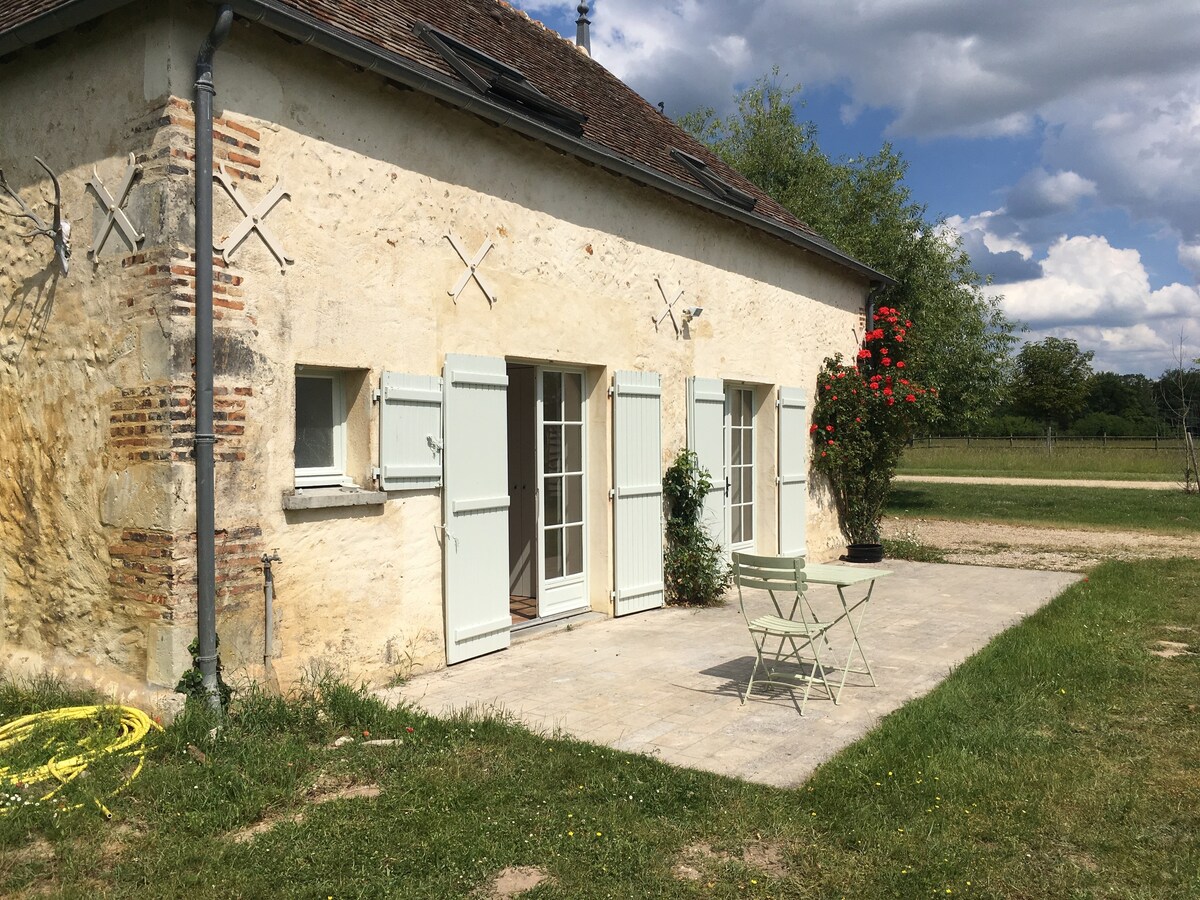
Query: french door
[
  {"x": 561, "y": 538},
  {"x": 739, "y": 468}
]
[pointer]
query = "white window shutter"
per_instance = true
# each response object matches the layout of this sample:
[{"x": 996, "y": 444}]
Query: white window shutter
[
  {"x": 706, "y": 437},
  {"x": 475, "y": 500},
  {"x": 410, "y": 432},
  {"x": 637, "y": 492},
  {"x": 792, "y": 479}
]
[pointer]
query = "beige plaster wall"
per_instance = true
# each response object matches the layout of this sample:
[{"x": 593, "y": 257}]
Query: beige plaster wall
[{"x": 377, "y": 178}]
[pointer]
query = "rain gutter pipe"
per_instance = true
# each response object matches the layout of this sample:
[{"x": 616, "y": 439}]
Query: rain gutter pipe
[{"x": 206, "y": 575}]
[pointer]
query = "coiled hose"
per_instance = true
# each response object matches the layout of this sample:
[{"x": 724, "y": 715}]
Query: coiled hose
[{"x": 134, "y": 726}]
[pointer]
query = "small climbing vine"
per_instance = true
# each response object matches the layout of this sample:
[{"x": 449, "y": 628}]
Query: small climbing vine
[
  {"x": 191, "y": 684},
  {"x": 694, "y": 570}
]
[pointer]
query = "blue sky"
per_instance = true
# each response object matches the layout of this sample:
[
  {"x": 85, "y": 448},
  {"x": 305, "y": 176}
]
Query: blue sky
[{"x": 1059, "y": 138}]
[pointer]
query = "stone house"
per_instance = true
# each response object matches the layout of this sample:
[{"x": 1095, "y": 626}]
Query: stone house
[{"x": 471, "y": 296}]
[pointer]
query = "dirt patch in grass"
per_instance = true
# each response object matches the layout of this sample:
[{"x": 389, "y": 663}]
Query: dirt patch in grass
[
  {"x": 513, "y": 881},
  {"x": 1033, "y": 547},
  {"x": 696, "y": 859},
  {"x": 321, "y": 793},
  {"x": 38, "y": 850},
  {"x": 1170, "y": 649}
]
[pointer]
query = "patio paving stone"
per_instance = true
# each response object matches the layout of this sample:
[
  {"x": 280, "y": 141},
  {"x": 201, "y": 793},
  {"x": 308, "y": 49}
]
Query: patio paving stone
[{"x": 669, "y": 682}]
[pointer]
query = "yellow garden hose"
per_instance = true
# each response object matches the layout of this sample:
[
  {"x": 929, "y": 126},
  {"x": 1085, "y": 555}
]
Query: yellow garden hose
[{"x": 66, "y": 762}]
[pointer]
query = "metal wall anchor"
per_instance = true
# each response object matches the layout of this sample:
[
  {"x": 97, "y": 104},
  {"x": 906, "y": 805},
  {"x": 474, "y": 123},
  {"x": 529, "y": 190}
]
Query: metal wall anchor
[
  {"x": 114, "y": 213},
  {"x": 472, "y": 271},
  {"x": 254, "y": 220}
]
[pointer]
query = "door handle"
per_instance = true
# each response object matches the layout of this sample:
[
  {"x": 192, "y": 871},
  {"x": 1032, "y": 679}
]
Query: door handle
[{"x": 727, "y": 483}]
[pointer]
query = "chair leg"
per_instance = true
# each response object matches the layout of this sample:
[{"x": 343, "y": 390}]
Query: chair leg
[{"x": 750, "y": 684}]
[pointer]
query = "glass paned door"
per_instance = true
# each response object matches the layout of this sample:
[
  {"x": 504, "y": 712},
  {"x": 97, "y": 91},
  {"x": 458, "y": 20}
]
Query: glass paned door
[
  {"x": 739, "y": 427},
  {"x": 561, "y": 531}
]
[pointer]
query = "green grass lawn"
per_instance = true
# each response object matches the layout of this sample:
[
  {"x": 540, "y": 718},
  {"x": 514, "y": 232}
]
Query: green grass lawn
[
  {"x": 996, "y": 460},
  {"x": 1061, "y": 761},
  {"x": 1166, "y": 512}
]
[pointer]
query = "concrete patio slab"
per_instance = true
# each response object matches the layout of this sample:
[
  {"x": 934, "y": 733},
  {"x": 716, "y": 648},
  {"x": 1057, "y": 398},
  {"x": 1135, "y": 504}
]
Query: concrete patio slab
[{"x": 668, "y": 682}]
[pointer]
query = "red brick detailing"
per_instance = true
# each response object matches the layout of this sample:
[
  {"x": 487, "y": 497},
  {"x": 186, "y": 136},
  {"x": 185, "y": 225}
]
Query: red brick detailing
[
  {"x": 139, "y": 423},
  {"x": 157, "y": 422},
  {"x": 143, "y": 567},
  {"x": 159, "y": 568},
  {"x": 238, "y": 568},
  {"x": 228, "y": 293},
  {"x": 236, "y": 146}
]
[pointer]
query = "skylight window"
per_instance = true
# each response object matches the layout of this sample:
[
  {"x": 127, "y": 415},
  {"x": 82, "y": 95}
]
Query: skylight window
[
  {"x": 716, "y": 185},
  {"x": 493, "y": 78}
]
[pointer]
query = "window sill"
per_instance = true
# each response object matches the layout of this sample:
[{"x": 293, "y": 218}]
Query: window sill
[{"x": 329, "y": 497}]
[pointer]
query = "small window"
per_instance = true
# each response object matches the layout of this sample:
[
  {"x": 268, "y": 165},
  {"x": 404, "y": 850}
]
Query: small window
[
  {"x": 715, "y": 184},
  {"x": 320, "y": 449},
  {"x": 493, "y": 78}
]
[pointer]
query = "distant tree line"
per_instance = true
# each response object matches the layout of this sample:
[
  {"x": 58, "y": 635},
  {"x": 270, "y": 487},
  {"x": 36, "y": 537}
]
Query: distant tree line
[{"x": 1052, "y": 385}]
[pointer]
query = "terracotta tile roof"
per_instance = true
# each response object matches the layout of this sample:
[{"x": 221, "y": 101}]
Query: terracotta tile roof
[
  {"x": 619, "y": 122},
  {"x": 15, "y": 13}
]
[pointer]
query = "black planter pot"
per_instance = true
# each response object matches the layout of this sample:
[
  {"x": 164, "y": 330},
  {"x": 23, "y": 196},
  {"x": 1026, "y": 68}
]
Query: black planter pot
[{"x": 864, "y": 553}]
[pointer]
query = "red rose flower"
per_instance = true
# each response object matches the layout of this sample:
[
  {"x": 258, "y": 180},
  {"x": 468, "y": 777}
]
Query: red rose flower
[
  {"x": 813, "y": 427},
  {"x": 900, "y": 364},
  {"x": 829, "y": 428},
  {"x": 886, "y": 362},
  {"x": 864, "y": 353},
  {"x": 911, "y": 399},
  {"x": 831, "y": 443}
]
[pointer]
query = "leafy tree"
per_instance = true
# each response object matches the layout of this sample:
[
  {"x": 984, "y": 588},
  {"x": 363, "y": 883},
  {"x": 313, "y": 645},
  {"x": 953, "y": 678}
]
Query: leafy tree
[
  {"x": 864, "y": 207},
  {"x": 1177, "y": 394},
  {"x": 1051, "y": 380},
  {"x": 1130, "y": 397}
]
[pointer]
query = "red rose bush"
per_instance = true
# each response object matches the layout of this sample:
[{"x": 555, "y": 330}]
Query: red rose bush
[{"x": 863, "y": 416}]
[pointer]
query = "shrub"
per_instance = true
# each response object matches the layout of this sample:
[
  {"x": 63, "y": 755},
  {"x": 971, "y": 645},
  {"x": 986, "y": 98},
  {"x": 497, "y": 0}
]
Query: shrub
[{"x": 694, "y": 570}]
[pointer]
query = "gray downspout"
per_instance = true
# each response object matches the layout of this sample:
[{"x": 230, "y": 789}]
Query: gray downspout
[{"x": 206, "y": 574}]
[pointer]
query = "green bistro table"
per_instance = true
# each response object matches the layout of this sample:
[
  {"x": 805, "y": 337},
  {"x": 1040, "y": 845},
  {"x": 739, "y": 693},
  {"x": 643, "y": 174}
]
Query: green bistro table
[{"x": 843, "y": 577}]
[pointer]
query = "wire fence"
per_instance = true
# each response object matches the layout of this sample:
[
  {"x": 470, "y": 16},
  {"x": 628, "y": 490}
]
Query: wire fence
[{"x": 1052, "y": 442}]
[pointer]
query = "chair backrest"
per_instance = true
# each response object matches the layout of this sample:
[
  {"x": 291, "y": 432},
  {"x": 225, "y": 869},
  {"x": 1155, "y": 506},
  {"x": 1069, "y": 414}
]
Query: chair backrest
[{"x": 774, "y": 574}]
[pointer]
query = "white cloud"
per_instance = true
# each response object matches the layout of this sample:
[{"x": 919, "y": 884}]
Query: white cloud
[
  {"x": 1002, "y": 257},
  {"x": 1085, "y": 279},
  {"x": 1041, "y": 193},
  {"x": 1100, "y": 296},
  {"x": 1189, "y": 255}
]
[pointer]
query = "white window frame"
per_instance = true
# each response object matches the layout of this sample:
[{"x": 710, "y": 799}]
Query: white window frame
[{"x": 335, "y": 475}]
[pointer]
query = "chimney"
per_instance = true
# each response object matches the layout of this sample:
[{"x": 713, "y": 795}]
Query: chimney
[{"x": 583, "y": 36}]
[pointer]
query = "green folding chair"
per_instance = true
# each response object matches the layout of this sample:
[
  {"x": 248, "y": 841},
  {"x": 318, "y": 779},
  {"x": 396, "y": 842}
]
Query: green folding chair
[{"x": 786, "y": 645}]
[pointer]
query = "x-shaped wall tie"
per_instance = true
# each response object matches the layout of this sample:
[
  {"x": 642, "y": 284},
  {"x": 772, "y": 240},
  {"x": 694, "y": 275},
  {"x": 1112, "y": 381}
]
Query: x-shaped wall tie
[
  {"x": 254, "y": 220},
  {"x": 670, "y": 311},
  {"x": 472, "y": 271},
  {"x": 114, "y": 213}
]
